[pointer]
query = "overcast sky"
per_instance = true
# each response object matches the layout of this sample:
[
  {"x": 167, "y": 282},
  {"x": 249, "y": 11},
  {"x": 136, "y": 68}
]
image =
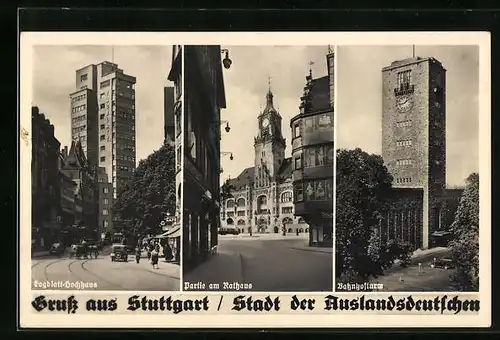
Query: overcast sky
[
  {"x": 359, "y": 100},
  {"x": 246, "y": 84},
  {"x": 54, "y": 79}
]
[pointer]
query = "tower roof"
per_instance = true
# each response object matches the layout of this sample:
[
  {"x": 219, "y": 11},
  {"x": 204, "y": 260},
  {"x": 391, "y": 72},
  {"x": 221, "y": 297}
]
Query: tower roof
[{"x": 269, "y": 102}]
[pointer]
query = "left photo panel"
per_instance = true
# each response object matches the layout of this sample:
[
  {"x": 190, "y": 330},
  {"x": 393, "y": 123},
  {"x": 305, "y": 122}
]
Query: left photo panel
[{"x": 105, "y": 173}]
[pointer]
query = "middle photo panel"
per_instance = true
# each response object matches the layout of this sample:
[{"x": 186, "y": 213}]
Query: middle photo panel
[{"x": 258, "y": 168}]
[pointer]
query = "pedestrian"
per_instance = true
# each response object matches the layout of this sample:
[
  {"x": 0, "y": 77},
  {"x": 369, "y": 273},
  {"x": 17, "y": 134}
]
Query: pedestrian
[
  {"x": 137, "y": 254},
  {"x": 167, "y": 251},
  {"x": 155, "y": 254}
]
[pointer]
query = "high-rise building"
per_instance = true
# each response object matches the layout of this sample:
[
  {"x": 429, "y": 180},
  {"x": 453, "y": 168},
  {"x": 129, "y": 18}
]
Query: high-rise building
[
  {"x": 414, "y": 144},
  {"x": 103, "y": 120},
  {"x": 313, "y": 156},
  {"x": 105, "y": 201}
]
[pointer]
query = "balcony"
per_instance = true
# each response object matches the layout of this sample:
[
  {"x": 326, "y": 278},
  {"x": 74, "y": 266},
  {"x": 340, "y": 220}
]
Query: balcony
[{"x": 404, "y": 89}]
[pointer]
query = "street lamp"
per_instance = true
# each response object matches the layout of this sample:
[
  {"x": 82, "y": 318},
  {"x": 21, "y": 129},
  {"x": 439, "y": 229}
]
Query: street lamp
[
  {"x": 227, "y": 153},
  {"x": 227, "y": 128},
  {"x": 226, "y": 62}
]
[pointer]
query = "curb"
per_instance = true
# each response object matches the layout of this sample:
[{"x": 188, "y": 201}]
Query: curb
[{"x": 313, "y": 250}]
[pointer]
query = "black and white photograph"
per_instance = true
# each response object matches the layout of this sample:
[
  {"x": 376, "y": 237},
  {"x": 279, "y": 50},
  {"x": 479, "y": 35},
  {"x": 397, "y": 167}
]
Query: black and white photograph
[
  {"x": 258, "y": 168},
  {"x": 105, "y": 174},
  {"x": 407, "y": 168}
]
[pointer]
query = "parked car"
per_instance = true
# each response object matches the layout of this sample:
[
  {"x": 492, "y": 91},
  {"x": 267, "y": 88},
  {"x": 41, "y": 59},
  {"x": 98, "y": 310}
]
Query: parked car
[
  {"x": 228, "y": 231},
  {"x": 445, "y": 263},
  {"x": 118, "y": 253}
]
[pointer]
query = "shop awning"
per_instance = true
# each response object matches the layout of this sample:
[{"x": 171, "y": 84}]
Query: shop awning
[{"x": 172, "y": 233}]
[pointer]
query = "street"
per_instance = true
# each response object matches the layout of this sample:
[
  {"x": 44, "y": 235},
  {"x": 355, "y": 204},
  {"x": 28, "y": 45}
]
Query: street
[
  {"x": 102, "y": 274},
  {"x": 268, "y": 263}
]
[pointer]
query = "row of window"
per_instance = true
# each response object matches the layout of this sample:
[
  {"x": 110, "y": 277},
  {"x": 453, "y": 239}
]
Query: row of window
[
  {"x": 313, "y": 156},
  {"x": 403, "y": 180},
  {"x": 313, "y": 123},
  {"x": 78, "y": 129},
  {"x": 403, "y": 143},
  {"x": 78, "y": 98},
  {"x": 404, "y": 123},
  {"x": 404, "y": 78},
  {"x": 314, "y": 190},
  {"x": 401, "y": 162},
  {"x": 286, "y": 197},
  {"x": 79, "y": 108},
  {"x": 79, "y": 119},
  {"x": 284, "y": 210},
  {"x": 125, "y": 137}
]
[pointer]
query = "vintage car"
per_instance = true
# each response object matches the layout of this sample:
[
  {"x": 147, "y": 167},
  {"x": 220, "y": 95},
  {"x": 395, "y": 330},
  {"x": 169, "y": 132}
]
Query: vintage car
[
  {"x": 118, "y": 253},
  {"x": 445, "y": 263},
  {"x": 229, "y": 230}
]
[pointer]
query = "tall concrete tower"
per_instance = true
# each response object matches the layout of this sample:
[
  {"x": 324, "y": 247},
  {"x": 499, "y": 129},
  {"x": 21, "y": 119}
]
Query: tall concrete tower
[
  {"x": 413, "y": 132},
  {"x": 103, "y": 119}
]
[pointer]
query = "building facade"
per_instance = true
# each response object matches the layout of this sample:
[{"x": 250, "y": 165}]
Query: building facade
[
  {"x": 168, "y": 110},
  {"x": 262, "y": 196},
  {"x": 414, "y": 144},
  {"x": 103, "y": 120},
  {"x": 204, "y": 98},
  {"x": 74, "y": 165},
  {"x": 313, "y": 155},
  {"x": 45, "y": 182},
  {"x": 104, "y": 195},
  {"x": 174, "y": 134}
]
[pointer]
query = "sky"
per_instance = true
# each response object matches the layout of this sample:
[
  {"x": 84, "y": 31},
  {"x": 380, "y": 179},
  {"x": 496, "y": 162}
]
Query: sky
[
  {"x": 54, "y": 79},
  {"x": 359, "y": 101},
  {"x": 246, "y": 85}
]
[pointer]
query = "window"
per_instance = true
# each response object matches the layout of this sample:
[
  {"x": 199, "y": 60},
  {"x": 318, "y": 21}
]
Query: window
[
  {"x": 296, "y": 130},
  {"x": 298, "y": 162},
  {"x": 101, "y": 116},
  {"x": 404, "y": 79},
  {"x": 287, "y": 196},
  {"x": 103, "y": 159},
  {"x": 103, "y": 126},
  {"x": 402, "y": 162},
  {"x": 83, "y": 77},
  {"x": 103, "y": 137},
  {"x": 105, "y": 225},
  {"x": 403, "y": 143},
  {"x": 241, "y": 213},
  {"x": 105, "y": 190},
  {"x": 102, "y": 147},
  {"x": 318, "y": 155},
  {"x": 105, "y": 83},
  {"x": 405, "y": 123},
  {"x": 286, "y": 210},
  {"x": 106, "y": 201},
  {"x": 103, "y": 106},
  {"x": 105, "y": 212},
  {"x": 299, "y": 195},
  {"x": 230, "y": 204}
]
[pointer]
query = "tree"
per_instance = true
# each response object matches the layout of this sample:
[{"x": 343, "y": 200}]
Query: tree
[
  {"x": 465, "y": 245},
  {"x": 363, "y": 187},
  {"x": 143, "y": 203}
]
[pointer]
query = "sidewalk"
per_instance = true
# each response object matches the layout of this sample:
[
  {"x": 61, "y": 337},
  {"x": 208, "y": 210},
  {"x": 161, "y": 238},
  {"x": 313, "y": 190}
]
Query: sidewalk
[
  {"x": 226, "y": 265},
  {"x": 164, "y": 268},
  {"x": 39, "y": 254},
  {"x": 325, "y": 250}
]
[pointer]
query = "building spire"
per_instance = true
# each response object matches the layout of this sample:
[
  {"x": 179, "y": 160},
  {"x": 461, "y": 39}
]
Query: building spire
[
  {"x": 311, "y": 63},
  {"x": 269, "y": 104}
]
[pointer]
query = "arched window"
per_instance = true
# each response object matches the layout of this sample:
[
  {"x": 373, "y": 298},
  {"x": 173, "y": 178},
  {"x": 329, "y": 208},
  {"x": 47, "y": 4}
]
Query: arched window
[
  {"x": 287, "y": 196},
  {"x": 230, "y": 204},
  {"x": 301, "y": 221},
  {"x": 262, "y": 202},
  {"x": 287, "y": 220},
  {"x": 241, "y": 222},
  {"x": 241, "y": 202}
]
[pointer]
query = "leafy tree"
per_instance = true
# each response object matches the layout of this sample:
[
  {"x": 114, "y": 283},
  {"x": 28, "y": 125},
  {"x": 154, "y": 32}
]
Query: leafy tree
[
  {"x": 363, "y": 187},
  {"x": 465, "y": 245},
  {"x": 143, "y": 203}
]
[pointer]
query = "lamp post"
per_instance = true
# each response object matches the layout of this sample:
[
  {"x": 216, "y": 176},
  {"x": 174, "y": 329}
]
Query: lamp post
[
  {"x": 224, "y": 153},
  {"x": 219, "y": 123},
  {"x": 226, "y": 61}
]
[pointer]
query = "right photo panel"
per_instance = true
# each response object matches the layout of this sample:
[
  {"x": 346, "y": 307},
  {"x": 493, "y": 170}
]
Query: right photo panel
[{"x": 407, "y": 182}]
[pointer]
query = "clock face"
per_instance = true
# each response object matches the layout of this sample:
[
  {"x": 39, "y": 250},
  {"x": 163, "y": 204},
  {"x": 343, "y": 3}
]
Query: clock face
[
  {"x": 404, "y": 103},
  {"x": 265, "y": 122}
]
